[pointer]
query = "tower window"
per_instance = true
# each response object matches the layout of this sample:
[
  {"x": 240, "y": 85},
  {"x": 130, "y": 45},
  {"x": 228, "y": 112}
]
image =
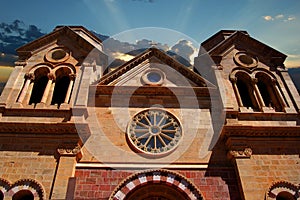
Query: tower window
[
  {"x": 38, "y": 89},
  {"x": 60, "y": 90}
]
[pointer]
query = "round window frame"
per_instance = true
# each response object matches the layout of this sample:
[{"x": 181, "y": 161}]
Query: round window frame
[
  {"x": 50, "y": 58},
  {"x": 173, "y": 146},
  {"x": 239, "y": 62},
  {"x": 146, "y": 81}
]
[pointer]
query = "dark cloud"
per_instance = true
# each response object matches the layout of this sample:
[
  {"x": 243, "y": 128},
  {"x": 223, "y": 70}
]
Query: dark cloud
[{"x": 16, "y": 34}]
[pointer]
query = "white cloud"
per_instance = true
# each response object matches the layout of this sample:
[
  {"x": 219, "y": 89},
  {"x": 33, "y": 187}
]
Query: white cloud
[
  {"x": 185, "y": 49},
  {"x": 291, "y": 18},
  {"x": 279, "y": 16},
  {"x": 268, "y": 18}
]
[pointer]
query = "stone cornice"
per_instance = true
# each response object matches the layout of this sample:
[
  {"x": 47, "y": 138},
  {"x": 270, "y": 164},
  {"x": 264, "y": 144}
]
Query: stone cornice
[
  {"x": 261, "y": 131},
  {"x": 155, "y": 90},
  {"x": 42, "y": 128}
]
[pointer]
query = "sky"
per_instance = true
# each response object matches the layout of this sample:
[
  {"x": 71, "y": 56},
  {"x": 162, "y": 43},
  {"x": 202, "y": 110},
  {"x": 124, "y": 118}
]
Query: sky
[{"x": 273, "y": 22}]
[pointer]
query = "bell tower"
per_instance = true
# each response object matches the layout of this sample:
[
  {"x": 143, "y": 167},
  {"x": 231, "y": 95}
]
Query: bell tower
[{"x": 262, "y": 109}]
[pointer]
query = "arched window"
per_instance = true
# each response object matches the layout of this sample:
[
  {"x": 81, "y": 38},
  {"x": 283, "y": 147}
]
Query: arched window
[
  {"x": 62, "y": 85},
  {"x": 23, "y": 195},
  {"x": 266, "y": 88},
  {"x": 246, "y": 91},
  {"x": 40, "y": 83}
]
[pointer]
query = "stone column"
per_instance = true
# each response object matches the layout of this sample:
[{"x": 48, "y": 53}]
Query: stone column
[
  {"x": 278, "y": 93},
  {"x": 29, "y": 77},
  {"x": 29, "y": 91},
  {"x": 258, "y": 98},
  {"x": 236, "y": 91},
  {"x": 72, "y": 78},
  {"x": 261, "y": 102},
  {"x": 65, "y": 169},
  {"x": 51, "y": 78}
]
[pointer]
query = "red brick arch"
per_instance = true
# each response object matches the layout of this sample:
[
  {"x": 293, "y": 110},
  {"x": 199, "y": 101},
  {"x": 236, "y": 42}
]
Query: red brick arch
[
  {"x": 156, "y": 177},
  {"x": 31, "y": 185},
  {"x": 282, "y": 186}
]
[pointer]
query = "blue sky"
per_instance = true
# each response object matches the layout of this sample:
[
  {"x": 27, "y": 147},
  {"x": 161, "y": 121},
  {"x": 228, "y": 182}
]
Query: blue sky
[{"x": 274, "y": 22}]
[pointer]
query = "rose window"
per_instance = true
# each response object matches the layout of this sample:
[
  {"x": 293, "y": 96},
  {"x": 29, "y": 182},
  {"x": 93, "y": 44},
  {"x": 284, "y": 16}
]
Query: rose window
[{"x": 154, "y": 131}]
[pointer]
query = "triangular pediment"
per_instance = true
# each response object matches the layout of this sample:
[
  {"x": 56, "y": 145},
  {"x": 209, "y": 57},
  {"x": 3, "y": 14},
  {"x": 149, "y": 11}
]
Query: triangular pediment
[
  {"x": 218, "y": 45},
  {"x": 153, "y": 68},
  {"x": 78, "y": 37}
]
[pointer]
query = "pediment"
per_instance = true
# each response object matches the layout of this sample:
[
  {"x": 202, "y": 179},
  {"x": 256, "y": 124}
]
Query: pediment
[
  {"x": 221, "y": 43},
  {"x": 76, "y": 38},
  {"x": 153, "y": 68}
]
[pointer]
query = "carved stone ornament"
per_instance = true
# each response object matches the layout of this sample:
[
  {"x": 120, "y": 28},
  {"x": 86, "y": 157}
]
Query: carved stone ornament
[
  {"x": 67, "y": 151},
  {"x": 242, "y": 153}
]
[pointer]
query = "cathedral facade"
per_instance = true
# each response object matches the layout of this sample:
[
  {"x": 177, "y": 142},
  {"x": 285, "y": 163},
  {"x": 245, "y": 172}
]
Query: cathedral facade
[{"x": 151, "y": 129}]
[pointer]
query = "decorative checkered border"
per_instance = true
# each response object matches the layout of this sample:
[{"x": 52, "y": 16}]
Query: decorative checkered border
[
  {"x": 282, "y": 186},
  {"x": 24, "y": 184},
  {"x": 171, "y": 178}
]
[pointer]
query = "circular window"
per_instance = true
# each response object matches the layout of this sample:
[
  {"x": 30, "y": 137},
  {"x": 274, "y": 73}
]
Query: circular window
[
  {"x": 153, "y": 77},
  {"x": 58, "y": 54},
  {"x": 245, "y": 60},
  {"x": 154, "y": 132}
]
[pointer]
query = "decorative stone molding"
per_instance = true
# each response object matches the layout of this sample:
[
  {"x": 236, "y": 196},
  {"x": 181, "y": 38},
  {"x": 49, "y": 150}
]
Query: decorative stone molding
[
  {"x": 240, "y": 153},
  {"x": 57, "y": 55},
  {"x": 170, "y": 178},
  {"x": 289, "y": 190},
  {"x": 20, "y": 63},
  {"x": 29, "y": 76},
  {"x": 64, "y": 150},
  {"x": 31, "y": 185},
  {"x": 34, "y": 128},
  {"x": 261, "y": 131},
  {"x": 244, "y": 59}
]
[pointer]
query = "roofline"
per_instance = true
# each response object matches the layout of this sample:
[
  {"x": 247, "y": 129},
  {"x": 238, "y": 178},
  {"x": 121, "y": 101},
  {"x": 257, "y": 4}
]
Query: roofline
[{"x": 82, "y": 28}]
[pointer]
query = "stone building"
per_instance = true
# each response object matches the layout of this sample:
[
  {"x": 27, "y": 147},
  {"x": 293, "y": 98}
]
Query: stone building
[{"x": 152, "y": 128}]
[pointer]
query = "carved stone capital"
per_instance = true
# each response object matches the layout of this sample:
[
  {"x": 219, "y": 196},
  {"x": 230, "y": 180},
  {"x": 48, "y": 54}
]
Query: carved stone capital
[
  {"x": 254, "y": 80},
  {"x": 233, "y": 79},
  {"x": 51, "y": 76},
  {"x": 240, "y": 153},
  {"x": 70, "y": 151},
  {"x": 20, "y": 63},
  {"x": 29, "y": 76},
  {"x": 72, "y": 76},
  {"x": 274, "y": 81}
]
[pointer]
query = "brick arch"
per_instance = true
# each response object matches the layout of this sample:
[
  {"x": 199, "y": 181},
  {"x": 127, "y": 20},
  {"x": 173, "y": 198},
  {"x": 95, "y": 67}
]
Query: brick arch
[
  {"x": 28, "y": 184},
  {"x": 282, "y": 186},
  {"x": 4, "y": 185},
  {"x": 159, "y": 177}
]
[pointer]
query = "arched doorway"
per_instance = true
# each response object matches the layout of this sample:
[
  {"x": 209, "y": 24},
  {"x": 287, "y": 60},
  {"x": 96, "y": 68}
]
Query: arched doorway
[
  {"x": 156, "y": 191},
  {"x": 23, "y": 195},
  {"x": 156, "y": 185}
]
